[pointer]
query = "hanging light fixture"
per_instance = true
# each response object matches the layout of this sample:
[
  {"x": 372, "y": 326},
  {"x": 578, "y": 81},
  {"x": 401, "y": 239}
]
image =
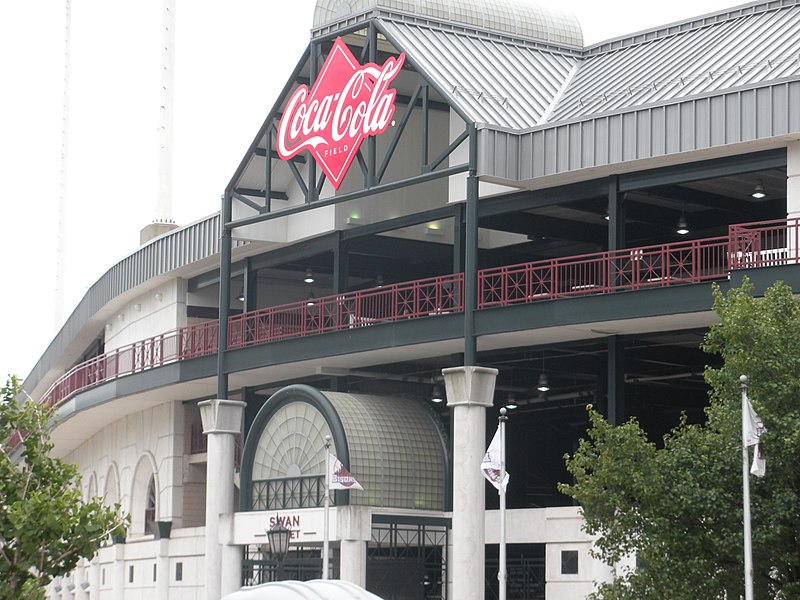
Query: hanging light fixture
[
  {"x": 543, "y": 385},
  {"x": 240, "y": 297},
  {"x": 683, "y": 226},
  {"x": 511, "y": 402},
  {"x": 311, "y": 300},
  {"x": 759, "y": 191},
  {"x": 309, "y": 278},
  {"x": 436, "y": 396},
  {"x": 379, "y": 280}
]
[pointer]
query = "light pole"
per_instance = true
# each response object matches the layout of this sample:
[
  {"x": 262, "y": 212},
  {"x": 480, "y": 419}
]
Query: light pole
[{"x": 278, "y": 536}]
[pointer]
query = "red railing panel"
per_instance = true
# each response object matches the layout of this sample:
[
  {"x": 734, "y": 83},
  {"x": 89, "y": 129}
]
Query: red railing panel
[
  {"x": 410, "y": 300},
  {"x": 765, "y": 244},
  {"x": 604, "y": 272}
]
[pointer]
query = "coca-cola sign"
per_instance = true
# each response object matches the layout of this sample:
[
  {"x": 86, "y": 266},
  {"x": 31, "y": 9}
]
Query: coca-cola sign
[{"x": 347, "y": 103}]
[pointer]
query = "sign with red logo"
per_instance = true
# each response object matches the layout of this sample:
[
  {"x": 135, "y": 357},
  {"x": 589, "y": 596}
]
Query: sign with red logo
[{"x": 348, "y": 103}]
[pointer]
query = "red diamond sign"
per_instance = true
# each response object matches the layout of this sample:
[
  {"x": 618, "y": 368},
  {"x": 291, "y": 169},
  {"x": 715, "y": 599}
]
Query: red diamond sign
[{"x": 348, "y": 103}]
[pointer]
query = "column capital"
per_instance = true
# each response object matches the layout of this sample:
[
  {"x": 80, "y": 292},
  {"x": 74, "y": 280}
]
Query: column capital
[
  {"x": 469, "y": 386},
  {"x": 221, "y": 416}
]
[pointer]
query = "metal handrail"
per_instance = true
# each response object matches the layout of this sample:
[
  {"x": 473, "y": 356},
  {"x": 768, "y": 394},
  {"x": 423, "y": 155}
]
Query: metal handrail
[
  {"x": 749, "y": 245},
  {"x": 604, "y": 272},
  {"x": 409, "y": 300}
]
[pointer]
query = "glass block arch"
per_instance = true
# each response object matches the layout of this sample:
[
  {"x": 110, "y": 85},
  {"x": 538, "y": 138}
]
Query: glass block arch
[{"x": 395, "y": 447}]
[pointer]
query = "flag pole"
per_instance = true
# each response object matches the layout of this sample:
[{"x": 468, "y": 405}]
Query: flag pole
[
  {"x": 325, "y": 543},
  {"x": 748, "y": 548},
  {"x": 501, "y": 573}
]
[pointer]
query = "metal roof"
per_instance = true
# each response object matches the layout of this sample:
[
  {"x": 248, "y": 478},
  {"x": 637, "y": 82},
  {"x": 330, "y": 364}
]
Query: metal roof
[
  {"x": 520, "y": 85},
  {"x": 495, "y": 81},
  {"x": 741, "y": 51}
]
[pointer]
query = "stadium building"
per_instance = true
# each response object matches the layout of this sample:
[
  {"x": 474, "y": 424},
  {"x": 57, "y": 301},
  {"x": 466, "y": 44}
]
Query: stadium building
[{"x": 453, "y": 206}]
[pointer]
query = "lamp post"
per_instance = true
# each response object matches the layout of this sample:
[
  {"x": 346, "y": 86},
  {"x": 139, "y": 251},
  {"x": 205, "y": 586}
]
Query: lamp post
[{"x": 278, "y": 536}]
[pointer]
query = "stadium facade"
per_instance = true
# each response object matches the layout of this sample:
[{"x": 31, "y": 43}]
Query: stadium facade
[{"x": 448, "y": 197}]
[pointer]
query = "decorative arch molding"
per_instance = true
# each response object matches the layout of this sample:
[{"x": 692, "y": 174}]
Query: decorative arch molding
[
  {"x": 111, "y": 489},
  {"x": 145, "y": 477},
  {"x": 91, "y": 486}
]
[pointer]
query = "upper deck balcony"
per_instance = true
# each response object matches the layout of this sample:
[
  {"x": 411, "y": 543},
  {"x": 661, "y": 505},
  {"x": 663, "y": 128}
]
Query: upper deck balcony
[{"x": 747, "y": 246}]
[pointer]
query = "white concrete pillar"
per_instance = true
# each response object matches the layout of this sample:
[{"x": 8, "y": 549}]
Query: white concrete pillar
[
  {"x": 162, "y": 569},
  {"x": 119, "y": 572},
  {"x": 54, "y": 590},
  {"x": 222, "y": 421},
  {"x": 354, "y": 529},
  {"x": 470, "y": 392},
  {"x": 94, "y": 578},
  {"x": 79, "y": 576},
  {"x": 231, "y": 556},
  {"x": 793, "y": 179}
]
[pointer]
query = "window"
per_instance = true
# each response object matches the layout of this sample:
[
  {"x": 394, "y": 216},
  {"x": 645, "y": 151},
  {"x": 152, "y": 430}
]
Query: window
[
  {"x": 569, "y": 562},
  {"x": 150, "y": 506},
  {"x": 179, "y": 571}
]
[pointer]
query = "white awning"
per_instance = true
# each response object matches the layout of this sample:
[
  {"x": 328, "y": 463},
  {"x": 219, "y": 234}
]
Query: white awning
[{"x": 316, "y": 589}]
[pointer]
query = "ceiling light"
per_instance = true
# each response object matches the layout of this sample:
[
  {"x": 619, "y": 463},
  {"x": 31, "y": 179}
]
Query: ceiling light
[
  {"x": 240, "y": 297},
  {"x": 309, "y": 278},
  {"x": 436, "y": 396},
  {"x": 311, "y": 300},
  {"x": 379, "y": 280},
  {"x": 511, "y": 402},
  {"x": 683, "y": 226},
  {"x": 543, "y": 385},
  {"x": 759, "y": 191}
]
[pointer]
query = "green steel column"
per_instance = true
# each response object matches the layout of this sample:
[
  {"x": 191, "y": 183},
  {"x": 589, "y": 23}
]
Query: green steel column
[
  {"x": 471, "y": 255},
  {"x": 225, "y": 249},
  {"x": 616, "y": 380},
  {"x": 341, "y": 265}
]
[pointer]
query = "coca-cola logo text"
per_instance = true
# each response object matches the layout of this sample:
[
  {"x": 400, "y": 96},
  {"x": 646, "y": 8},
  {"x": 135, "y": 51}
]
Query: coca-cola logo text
[{"x": 347, "y": 103}]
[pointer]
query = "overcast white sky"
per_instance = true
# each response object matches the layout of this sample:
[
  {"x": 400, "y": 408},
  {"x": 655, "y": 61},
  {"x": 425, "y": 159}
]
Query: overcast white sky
[{"x": 232, "y": 59}]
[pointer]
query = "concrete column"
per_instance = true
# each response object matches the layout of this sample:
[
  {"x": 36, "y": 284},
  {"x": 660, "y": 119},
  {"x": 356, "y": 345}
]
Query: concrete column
[
  {"x": 793, "y": 179},
  {"x": 469, "y": 394},
  {"x": 222, "y": 421},
  {"x": 94, "y": 578},
  {"x": 354, "y": 529},
  {"x": 231, "y": 556},
  {"x": 79, "y": 576},
  {"x": 119, "y": 572},
  {"x": 162, "y": 569},
  {"x": 67, "y": 587}
]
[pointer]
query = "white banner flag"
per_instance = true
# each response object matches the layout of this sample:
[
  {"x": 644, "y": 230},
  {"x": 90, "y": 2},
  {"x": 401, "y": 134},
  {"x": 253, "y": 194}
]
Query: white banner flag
[
  {"x": 340, "y": 478},
  {"x": 753, "y": 429},
  {"x": 490, "y": 465}
]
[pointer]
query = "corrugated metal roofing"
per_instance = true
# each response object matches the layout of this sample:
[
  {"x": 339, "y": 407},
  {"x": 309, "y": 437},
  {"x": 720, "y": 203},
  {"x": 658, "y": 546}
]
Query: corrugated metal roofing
[
  {"x": 493, "y": 81},
  {"x": 517, "y": 85},
  {"x": 742, "y": 51}
]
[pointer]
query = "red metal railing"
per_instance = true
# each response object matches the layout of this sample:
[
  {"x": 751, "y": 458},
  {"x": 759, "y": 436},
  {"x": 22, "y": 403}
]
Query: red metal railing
[
  {"x": 411, "y": 300},
  {"x": 748, "y": 245},
  {"x": 604, "y": 272},
  {"x": 157, "y": 351},
  {"x": 765, "y": 244}
]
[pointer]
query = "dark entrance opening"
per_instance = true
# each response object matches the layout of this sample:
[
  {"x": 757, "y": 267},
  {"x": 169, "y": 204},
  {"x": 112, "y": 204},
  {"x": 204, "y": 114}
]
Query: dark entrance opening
[{"x": 406, "y": 559}]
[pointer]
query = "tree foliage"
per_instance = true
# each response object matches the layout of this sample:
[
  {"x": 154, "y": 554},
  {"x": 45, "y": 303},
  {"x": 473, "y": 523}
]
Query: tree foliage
[
  {"x": 678, "y": 506},
  {"x": 45, "y": 525}
]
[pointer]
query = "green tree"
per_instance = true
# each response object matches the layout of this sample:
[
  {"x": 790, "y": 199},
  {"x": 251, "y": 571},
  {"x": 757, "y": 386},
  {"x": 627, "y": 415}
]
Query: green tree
[
  {"x": 678, "y": 506},
  {"x": 45, "y": 525}
]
